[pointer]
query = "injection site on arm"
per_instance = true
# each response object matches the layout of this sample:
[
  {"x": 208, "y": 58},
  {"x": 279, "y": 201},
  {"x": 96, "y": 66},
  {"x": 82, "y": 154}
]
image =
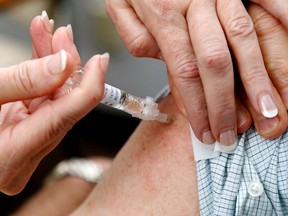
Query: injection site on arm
[{"x": 145, "y": 109}]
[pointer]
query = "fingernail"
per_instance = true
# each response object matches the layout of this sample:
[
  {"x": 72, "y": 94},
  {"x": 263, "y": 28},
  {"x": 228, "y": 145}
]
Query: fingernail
[
  {"x": 48, "y": 24},
  {"x": 43, "y": 15},
  {"x": 105, "y": 55},
  {"x": 267, "y": 106},
  {"x": 267, "y": 125},
  {"x": 57, "y": 63},
  {"x": 227, "y": 148},
  {"x": 207, "y": 137},
  {"x": 70, "y": 32},
  {"x": 51, "y": 21},
  {"x": 228, "y": 137},
  {"x": 105, "y": 61}
]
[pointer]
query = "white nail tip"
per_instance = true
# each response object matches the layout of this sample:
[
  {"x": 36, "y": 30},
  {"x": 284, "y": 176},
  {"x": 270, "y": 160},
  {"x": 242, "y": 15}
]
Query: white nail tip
[
  {"x": 43, "y": 15},
  {"x": 105, "y": 55},
  {"x": 51, "y": 21},
  {"x": 63, "y": 59},
  {"x": 270, "y": 114},
  {"x": 268, "y": 107},
  {"x": 226, "y": 148}
]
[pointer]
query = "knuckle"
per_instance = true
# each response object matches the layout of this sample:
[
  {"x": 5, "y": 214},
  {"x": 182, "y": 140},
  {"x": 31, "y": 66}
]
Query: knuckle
[
  {"x": 186, "y": 69},
  {"x": 59, "y": 124},
  {"x": 224, "y": 112},
  {"x": 160, "y": 8},
  {"x": 224, "y": 108},
  {"x": 265, "y": 26},
  {"x": 240, "y": 27},
  {"x": 165, "y": 13},
  {"x": 255, "y": 76},
  {"x": 23, "y": 78},
  {"x": 139, "y": 46},
  {"x": 215, "y": 58},
  {"x": 279, "y": 73},
  {"x": 63, "y": 125}
]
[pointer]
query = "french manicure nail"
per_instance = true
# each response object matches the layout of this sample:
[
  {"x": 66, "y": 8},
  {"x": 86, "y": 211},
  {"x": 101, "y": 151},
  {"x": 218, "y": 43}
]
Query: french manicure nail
[
  {"x": 46, "y": 22},
  {"x": 268, "y": 107},
  {"x": 52, "y": 23},
  {"x": 228, "y": 137},
  {"x": 63, "y": 55},
  {"x": 227, "y": 148},
  {"x": 70, "y": 32},
  {"x": 105, "y": 61},
  {"x": 105, "y": 55},
  {"x": 57, "y": 63},
  {"x": 207, "y": 137},
  {"x": 43, "y": 15}
]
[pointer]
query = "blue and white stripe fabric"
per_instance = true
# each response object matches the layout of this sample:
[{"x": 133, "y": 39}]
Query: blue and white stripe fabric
[{"x": 251, "y": 181}]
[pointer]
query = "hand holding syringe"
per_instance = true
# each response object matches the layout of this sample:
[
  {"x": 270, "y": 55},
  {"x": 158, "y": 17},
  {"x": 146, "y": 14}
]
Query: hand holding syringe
[{"x": 145, "y": 109}]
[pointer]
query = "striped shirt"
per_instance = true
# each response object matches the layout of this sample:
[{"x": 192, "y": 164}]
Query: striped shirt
[{"x": 252, "y": 181}]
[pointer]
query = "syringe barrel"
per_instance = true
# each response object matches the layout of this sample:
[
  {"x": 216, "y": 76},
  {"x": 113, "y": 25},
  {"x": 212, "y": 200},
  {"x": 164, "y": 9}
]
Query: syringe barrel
[
  {"x": 145, "y": 109},
  {"x": 113, "y": 96}
]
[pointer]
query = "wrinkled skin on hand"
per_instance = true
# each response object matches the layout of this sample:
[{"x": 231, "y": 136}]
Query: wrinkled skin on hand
[{"x": 190, "y": 36}]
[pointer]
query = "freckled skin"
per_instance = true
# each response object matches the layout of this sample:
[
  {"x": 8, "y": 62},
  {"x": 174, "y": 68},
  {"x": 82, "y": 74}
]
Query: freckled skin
[{"x": 154, "y": 173}]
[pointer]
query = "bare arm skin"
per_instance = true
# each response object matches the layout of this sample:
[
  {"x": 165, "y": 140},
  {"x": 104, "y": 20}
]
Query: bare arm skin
[{"x": 154, "y": 174}]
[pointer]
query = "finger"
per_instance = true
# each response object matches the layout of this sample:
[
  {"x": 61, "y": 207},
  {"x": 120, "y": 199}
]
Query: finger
[
  {"x": 244, "y": 119},
  {"x": 63, "y": 39},
  {"x": 278, "y": 8},
  {"x": 273, "y": 39},
  {"x": 216, "y": 69},
  {"x": 268, "y": 128},
  {"x": 34, "y": 53},
  {"x": 176, "y": 96},
  {"x": 41, "y": 29},
  {"x": 131, "y": 29},
  {"x": 181, "y": 63},
  {"x": 34, "y": 78},
  {"x": 12, "y": 113},
  {"x": 57, "y": 117},
  {"x": 18, "y": 171},
  {"x": 243, "y": 42}
]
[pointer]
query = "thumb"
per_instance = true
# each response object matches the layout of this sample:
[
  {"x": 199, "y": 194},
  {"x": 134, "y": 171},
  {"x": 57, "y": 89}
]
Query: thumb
[{"x": 34, "y": 78}]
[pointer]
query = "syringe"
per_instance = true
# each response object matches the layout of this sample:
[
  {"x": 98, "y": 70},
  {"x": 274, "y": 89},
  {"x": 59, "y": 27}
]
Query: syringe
[{"x": 145, "y": 109}]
